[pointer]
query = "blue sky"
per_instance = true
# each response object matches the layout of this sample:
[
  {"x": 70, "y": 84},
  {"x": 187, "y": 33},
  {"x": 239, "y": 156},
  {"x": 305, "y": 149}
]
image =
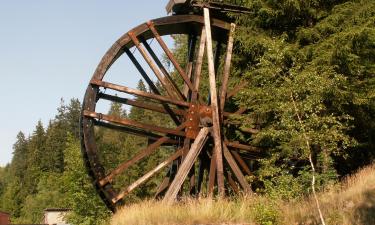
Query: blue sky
[{"x": 49, "y": 50}]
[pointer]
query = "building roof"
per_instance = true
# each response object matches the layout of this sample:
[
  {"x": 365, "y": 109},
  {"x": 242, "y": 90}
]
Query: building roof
[
  {"x": 57, "y": 210},
  {"x": 4, "y": 212}
]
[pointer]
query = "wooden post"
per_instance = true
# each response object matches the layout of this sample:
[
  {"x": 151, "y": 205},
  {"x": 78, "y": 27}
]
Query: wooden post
[
  {"x": 214, "y": 105},
  {"x": 186, "y": 165}
]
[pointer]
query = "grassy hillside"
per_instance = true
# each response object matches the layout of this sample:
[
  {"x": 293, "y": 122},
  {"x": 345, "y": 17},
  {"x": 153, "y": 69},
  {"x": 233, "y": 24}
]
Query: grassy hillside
[{"x": 351, "y": 202}]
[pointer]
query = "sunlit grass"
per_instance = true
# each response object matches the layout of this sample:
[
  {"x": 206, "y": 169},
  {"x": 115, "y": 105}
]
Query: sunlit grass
[{"x": 352, "y": 202}]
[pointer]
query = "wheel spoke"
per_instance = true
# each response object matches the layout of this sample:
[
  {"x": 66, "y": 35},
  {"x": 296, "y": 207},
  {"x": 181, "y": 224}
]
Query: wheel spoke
[
  {"x": 140, "y": 104},
  {"x": 248, "y": 148},
  {"x": 236, "y": 170},
  {"x": 186, "y": 165},
  {"x": 170, "y": 55},
  {"x": 227, "y": 64},
  {"x": 236, "y": 89},
  {"x": 151, "y": 85},
  {"x": 167, "y": 86},
  {"x": 198, "y": 65},
  {"x": 132, "y": 123},
  {"x": 145, "y": 177},
  {"x": 164, "y": 71},
  {"x": 241, "y": 162},
  {"x": 192, "y": 40},
  {"x": 231, "y": 182},
  {"x": 143, "y": 153},
  {"x": 136, "y": 92},
  {"x": 131, "y": 131}
]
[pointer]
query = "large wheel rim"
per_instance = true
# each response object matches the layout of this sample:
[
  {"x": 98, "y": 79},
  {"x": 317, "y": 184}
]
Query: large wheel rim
[{"x": 184, "y": 24}]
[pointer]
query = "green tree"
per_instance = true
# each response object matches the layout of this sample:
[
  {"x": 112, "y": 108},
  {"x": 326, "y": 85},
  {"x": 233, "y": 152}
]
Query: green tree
[{"x": 87, "y": 208}]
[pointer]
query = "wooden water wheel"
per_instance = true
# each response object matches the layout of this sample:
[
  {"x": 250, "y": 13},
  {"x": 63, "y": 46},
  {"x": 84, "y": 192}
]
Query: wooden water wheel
[{"x": 202, "y": 157}]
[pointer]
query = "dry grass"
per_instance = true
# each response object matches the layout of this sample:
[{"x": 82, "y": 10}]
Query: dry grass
[{"x": 352, "y": 202}]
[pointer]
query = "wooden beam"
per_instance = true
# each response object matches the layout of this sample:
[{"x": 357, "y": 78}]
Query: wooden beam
[
  {"x": 140, "y": 104},
  {"x": 140, "y": 155},
  {"x": 216, "y": 132},
  {"x": 151, "y": 84},
  {"x": 236, "y": 89},
  {"x": 226, "y": 71},
  {"x": 167, "y": 86},
  {"x": 192, "y": 39},
  {"x": 132, "y": 123},
  {"x": 232, "y": 183},
  {"x": 186, "y": 165},
  {"x": 198, "y": 65},
  {"x": 248, "y": 148},
  {"x": 145, "y": 177},
  {"x": 164, "y": 71},
  {"x": 136, "y": 92},
  {"x": 170, "y": 55},
  {"x": 236, "y": 170},
  {"x": 241, "y": 162}
]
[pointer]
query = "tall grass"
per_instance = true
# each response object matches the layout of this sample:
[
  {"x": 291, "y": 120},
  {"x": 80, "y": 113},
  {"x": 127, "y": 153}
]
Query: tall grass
[{"x": 351, "y": 202}]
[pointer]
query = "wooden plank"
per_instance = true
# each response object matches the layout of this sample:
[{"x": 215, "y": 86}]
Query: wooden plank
[
  {"x": 237, "y": 145},
  {"x": 153, "y": 67},
  {"x": 140, "y": 155},
  {"x": 232, "y": 183},
  {"x": 186, "y": 165},
  {"x": 236, "y": 89},
  {"x": 164, "y": 71},
  {"x": 236, "y": 170},
  {"x": 132, "y": 123},
  {"x": 226, "y": 71},
  {"x": 216, "y": 132},
  {"x": 198, "y": 64},
  {"x": 189, "y": 65},
  {"x": 140, "y": 104},
  {"x": 136, "y": 92},
  {"x": 241, "y": 162},
  {"x": 151, "y": 84},
  {"x": 168, "y": 52},
  {"x": 147, "y": 176}
]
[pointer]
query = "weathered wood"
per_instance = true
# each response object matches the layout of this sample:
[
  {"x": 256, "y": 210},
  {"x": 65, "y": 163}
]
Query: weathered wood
[
  {"x": 212, "y": 174},
  {"x": 216, "y": 132},
  {"x": 241, "y": 162},
  {"x": 198, "y": 65},
  {"x": 140, "y": 155},
  {"x": 132, "y": 131},
  {"x": 140, "y": 104},
  {"x": 145, "y": 177},
  {"x": 164, "y": 71},
  {"x": 236, "y": 89},
  {"x": 136, "y": 92},
  {"x": 132, "y": 123},
  {"x": 248, "y": 148},
  {"x": 232, "y": 183},
  {"x": 190, "y": 61},
  {"x": 226, "y": 71},
  {"x": 151, "y": 84},
  {"x": 170, "y": 55},
  {"x": 236, "y": 170},
  {"x": 186, "y": 165},
  {"x": 153, "y": 67}
]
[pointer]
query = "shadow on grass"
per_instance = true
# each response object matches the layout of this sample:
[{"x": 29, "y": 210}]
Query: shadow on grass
[{"x": 365, "y": 213}]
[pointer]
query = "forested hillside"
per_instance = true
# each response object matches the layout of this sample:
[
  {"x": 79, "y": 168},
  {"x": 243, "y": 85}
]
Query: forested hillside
[{"x": 309, "y": 72}]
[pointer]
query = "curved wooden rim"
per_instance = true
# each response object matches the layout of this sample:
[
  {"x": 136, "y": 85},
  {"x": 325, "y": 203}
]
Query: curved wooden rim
[{"x": 182, "y": 24}]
